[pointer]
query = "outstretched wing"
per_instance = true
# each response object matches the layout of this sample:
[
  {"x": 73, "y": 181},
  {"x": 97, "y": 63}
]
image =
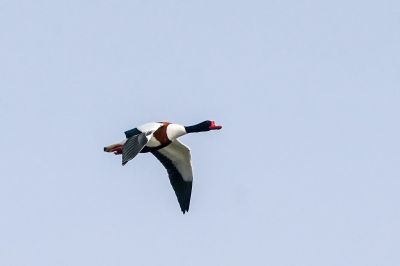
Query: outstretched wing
[
  {"x": 176, "y": 159},
  {"x": 134, "y": 145}
]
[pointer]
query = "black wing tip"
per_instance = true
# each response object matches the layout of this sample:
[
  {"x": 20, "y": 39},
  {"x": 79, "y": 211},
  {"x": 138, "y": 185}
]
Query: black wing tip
[
  {"x": 184, "y": 203},
  {"x": 185, "y": 207}
]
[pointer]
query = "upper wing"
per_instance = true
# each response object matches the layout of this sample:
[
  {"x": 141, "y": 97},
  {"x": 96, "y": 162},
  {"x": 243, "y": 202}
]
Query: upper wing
[
  {"x": 176, "y": 159},
  {"x": 134, "y": 145},
  {"x": 137, "y": 139},
  {"x": 152, "y": 126}
]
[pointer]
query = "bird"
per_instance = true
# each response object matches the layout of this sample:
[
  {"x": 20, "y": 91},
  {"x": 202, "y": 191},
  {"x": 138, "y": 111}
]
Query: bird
[{"x": 161, "y": 140}]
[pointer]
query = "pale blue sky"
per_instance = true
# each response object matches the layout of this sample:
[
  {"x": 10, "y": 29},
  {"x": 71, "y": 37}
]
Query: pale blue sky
[{"x": 304, "y": 173}]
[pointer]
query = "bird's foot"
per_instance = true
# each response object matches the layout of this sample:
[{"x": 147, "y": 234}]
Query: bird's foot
[{"x": 115, "y": 148}]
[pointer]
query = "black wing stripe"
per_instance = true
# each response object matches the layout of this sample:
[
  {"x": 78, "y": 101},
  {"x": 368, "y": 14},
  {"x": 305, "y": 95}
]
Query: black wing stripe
[
  {"x": 133, "y": 146},
  {"x": 132, "y": 132},
  {"x": 183, "y": 189}
]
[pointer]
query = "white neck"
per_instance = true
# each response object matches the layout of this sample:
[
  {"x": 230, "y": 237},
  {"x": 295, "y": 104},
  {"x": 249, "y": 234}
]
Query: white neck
[{"x": 175, "y": 131}]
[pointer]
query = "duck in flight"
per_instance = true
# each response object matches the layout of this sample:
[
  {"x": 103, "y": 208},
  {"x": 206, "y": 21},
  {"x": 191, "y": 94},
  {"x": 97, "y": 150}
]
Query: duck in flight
[{"x": 161, "y": 139}]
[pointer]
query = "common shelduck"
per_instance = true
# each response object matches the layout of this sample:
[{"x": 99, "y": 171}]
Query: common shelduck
[{"x": 161, "y": 139}]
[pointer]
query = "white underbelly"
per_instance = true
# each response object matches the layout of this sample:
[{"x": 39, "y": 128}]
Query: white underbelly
[{"x": 153, "y": 142}]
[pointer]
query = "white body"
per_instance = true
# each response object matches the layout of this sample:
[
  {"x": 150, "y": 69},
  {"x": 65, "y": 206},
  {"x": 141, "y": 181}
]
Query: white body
[{"x": 174, "y": 131}]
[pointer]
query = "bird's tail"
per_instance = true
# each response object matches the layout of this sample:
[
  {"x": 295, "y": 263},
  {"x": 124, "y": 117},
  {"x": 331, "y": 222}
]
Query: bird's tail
[{"x": 115, "y": 148}]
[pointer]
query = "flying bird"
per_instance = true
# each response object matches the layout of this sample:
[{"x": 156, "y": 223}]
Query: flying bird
[{"x": 161, "y": 139}]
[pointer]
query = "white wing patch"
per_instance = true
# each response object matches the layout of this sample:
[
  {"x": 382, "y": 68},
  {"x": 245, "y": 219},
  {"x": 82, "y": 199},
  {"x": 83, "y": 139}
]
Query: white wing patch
[
  {"x": 153, "y": 126},
  {"x": 180, "y": 156},
  {"x": 150, "y": 128}
]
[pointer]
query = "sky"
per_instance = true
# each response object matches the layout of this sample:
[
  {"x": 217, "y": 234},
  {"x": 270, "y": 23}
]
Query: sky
[{"x": 305, "y": 171}]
